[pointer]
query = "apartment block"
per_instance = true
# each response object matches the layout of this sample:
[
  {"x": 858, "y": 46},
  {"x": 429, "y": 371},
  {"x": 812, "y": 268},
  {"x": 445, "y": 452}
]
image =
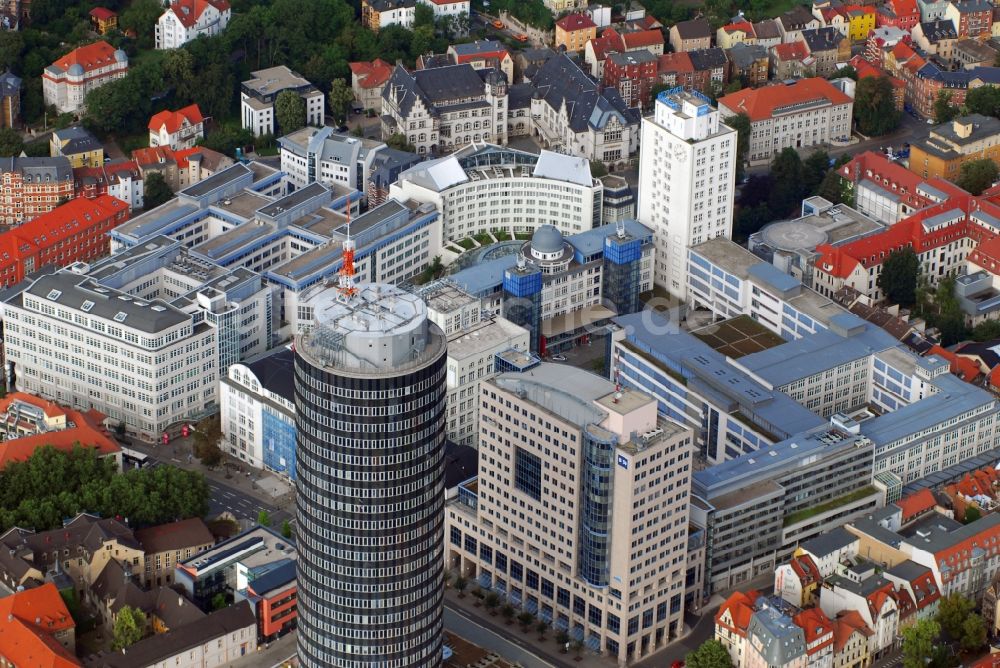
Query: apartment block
[
  {"x": 33, "y": 186},
  {"x": 67, "y": 81},
  {"x": 185, "y": 20},
  {"x": 179, "y": 129},
  {"x": 257, "y": 96},
  {"x": 607, "y": 575}
]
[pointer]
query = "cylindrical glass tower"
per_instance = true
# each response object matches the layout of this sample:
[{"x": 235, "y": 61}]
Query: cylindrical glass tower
[{"x": 370, "y": 414}]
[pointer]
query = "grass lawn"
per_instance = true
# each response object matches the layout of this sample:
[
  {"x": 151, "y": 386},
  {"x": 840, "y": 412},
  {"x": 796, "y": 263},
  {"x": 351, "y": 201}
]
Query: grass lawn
[
  {"x": 806, "y": 513},
  {"x": 467, "y": 244},
  {"x": 501, "y": 235},
  {"x": 484, "y": 239},
  {"x": 154, "y": 56},
  {"x": 270, "y": 150},
  {"x": 522, "y": 236}
]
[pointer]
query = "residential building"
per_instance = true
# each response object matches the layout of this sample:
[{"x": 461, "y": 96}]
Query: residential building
[
  {"x": 861, "y": 21},
  {"x": 258, "y": 412},
  {"x": 457, "y": 11},
  {"x": 229, "y": 567},
  {"x": 74, "y": 232},
  {"x": 166, "y": 545},
  {"x": 77, "y": 145},
  {"x": 633, "y": 75},
  {"x": 257, "y": 96},
  {"x": 312, "y": 155},
  {"x": 180, "y": 169},
  {"x": 768, "y": 33},
  {"x": 792, "y": 60},
  {"x": 80, "y": 549},
  {"x": 881, "y": 41},
  {"x": 865, "y": 69},
  {"x": 103, "y": 20},
  {"x": 691, "y": 35},
  {"x": 443, "y": 108},
  {"x": 560, "y": 6},
  {"x": 828, "y": 48},
  {"x": 377, "y": 14},
  {"x": 36, "y": 629},
  {"x": 29, "y": 423},
  {"x": 971, "y": 53},
  {"x": 479, "y": 347},
  {"x": 408, "y": 360},
  {"x": 884, "y": 190},
  {"x": 214, "y": 641},
  {"x": 749, "y": 64},
  {"x": 185, "y": 20},
  {"x": 686, "y": 175},
  {"x": 367, "y": 81},
  {"x": 10, "y": 100},
  {"x": 794, "y": 21},
  {"x": 949, "y": 145},
  {"x": 776, "y": 113},
  {"x": 573, "y": 31},
  {"x": 563, "y": 289},
  {"x": 971, "y": 18},
  {"x": 118, "y": 178},
  {"x": 179, "y": 129},
  {"x": 737, "y": 32},
  {"x": 145, "y": 310},
  {"x": 573, "y": 114},
  {"x": 547, "y": 188},
  {"x": 902, "y": 14},
  {"x": 566, "y": 575},
  {"x": 936, "y": 38},
  {"x": 483, "y": 54},
  {"x": 32, "y": 187},
  {"x": 710, "y": 69},
  {"x": 613, "y": 41},
  {"x": 67, "y": 81}
]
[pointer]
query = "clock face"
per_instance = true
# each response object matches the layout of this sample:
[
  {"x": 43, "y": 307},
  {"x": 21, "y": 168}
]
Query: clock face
[{"x": 680, "y": 154}]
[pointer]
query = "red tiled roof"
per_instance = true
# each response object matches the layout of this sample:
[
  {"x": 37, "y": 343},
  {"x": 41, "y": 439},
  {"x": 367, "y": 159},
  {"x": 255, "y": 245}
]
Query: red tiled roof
[
  {"x": 847, "y": 624},
  {"x": 875, "y": 167},
  {"x": 816, "y": 627},
  {"x": 760, "y": 103},
  {"x": 955, "y": 556},
  {"x": 174, "y": 120},
  {"x": 791, "y": 50},
  {"x": 916, "y": 503},
  {"x": 87, "y": 432},
  {"x": 373, "y": 74},
  {"x": 102, "y": 13},
  {"x": 903, "y": 7},
  {"x": 962, "y": 367},
  {"x": 174, "y": 536},
  {"x": 50, "y": 408},
  {"x": 806, "y": 569},
  {"x": 90, "y": 57},
  {"x": 29, "y": 620},
  {"x": 608, "y": 42},
  {"x": 741, "y": 607},
  {"x": 188, "y": 11},
  {"x": 739, "y": 26},
  {"x": 641, "y": 38},
  {"x": 675, "y": 62},
  {"x": 572, "y": 22}
]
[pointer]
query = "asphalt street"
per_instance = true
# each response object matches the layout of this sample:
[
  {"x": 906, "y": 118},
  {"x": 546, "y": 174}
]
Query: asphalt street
[{"x": 225, "y": 498}]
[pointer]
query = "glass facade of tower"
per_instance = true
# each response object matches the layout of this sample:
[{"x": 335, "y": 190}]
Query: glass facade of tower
[
  {"x": 598, "y": 450},
  {"x": 370, "y": 456}
]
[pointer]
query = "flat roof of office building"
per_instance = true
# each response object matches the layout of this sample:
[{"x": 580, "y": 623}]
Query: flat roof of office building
[{"x": 738, "y": 336}]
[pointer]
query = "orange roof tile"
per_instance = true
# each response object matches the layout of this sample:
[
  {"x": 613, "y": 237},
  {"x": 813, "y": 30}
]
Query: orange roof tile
[
  {"x": 760, "y": 103},
  {"x": 962, "y": 367},
  {"x": 816, "y": 627},
  {"x": 847, "y": 624},
  {"x": 89, "y": 57},
  {"x": 792, "y": 50},
  {"x": 102, "y": 13},
  {"x": 916, "y": 503},
  {"x": 903, "y": 7},
  {"x": 50, "y": 408},
  {"x": 189, "y": 11},
  {"x": 675, "y": 62},
  {"x": 572, "y": 22},
  {"x": 174, "y": 120},
  {"x": 641, "y": 38},
  {"x": 29, "y": 620},
  {"x": 739, "y": 26},
  {"x": 741, "y": 607},
  {"x": 373, "y": 74}
]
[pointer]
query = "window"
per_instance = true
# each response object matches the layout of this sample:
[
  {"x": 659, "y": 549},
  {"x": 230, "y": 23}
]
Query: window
[{"x": 528, "y": 473}]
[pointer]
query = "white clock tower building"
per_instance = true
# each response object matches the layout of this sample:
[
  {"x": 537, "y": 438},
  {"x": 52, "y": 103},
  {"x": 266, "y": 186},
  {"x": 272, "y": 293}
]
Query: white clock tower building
[{"x": 687, "y": 172}]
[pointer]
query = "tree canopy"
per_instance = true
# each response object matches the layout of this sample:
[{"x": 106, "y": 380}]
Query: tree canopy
[
  {"x": 129, "y": 628},
  {"x": 289, "y": 111},
  {"x": 710, "y": 654},
  {"x": 52, "y": 485},
  {"x": 919, "y": 645},
  {"x": 898, "y": 279},
  {"x": 875, "y": 112},
  {"x": 155, "y": 191},
  {"x": 983, "y": 100},
  {"x": 977, "y": 175},
  {"x": 944, "y": 110},
  {"x": 341, "y": 96}
]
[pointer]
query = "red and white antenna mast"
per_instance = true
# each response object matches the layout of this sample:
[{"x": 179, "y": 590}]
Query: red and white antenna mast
[{"x": 345, "y": 282}]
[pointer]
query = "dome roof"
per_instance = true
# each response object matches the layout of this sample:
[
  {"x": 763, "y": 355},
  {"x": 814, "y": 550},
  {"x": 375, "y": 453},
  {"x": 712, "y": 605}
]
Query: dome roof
[
  {"x": 547, "y": 239},
  {"x": 121, "y": 56},
  {"x": 76, "y": 69}
]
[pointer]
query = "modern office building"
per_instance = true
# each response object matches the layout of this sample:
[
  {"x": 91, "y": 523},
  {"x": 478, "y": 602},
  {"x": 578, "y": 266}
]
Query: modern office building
[
  {"x": 564, "y": 289},
  {"x": 257, "y": 96},
  {"x": 579, "y": 512},
  {"x": 320, "y": 154},
  {"x": 482, "y": 188},
  {"x": 687, "y": 172},
  {"x": 141, "y": 335},
  {"x": 370, "y": 388}
]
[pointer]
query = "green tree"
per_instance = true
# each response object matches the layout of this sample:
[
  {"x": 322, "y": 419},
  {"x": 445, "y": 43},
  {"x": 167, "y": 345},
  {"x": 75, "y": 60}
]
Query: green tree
[
  {"x": 289, "y": 111},
  {"x": 562, "y": 638},
  {"x": 525, "y": 619},
  {"x": 264, "y": 518},
  {"x": 341, "y": 96},
  {"x": 491, "y": 601},
  {"x": 598, "y": 169},
  {"x": 847, "y": 71},
  {"x": 972, "y": 513},
  {"x": 710, "y": 654},
  {"x": 398, "y": 142},
  {"x": 787, "y": 189},
  {"x": 219, "y": 601},
  {"x": 423, "y": 15},
  {"x": 814, "y": 170},
  {"x": 836, "y": 189},
  {"x": 875, "y": 112},
  {"x": 460, "y": 585},
  {"x": 973, "y": 633},
  {"x": 944, "y": 110},
  {"x": 918, "y": 643},
  {"x": 977, "y": 175},
  {"x": 984, "y": 100},
  {"x": 750, "y": 219},
  {"x": 542, "y": 626},
  {"x": 11, "y": 46},
  {"x": 11, "y": 143},
  {"x": 227, "y": 139},
  {"x": 986, "y": 330},
  {"x": 953, "y": 610},
  {"x": 179, "y": 74},
  {"x": 155, "y": 191},
  {"x": 129, "y": 628},
  {"x": 286, "y": 529},
  {"x": 898, "y": 279},
  {"x": 740, "y": 123},
  {"x": 507, "y": 612},
  {"x": 140, "y": 17}
]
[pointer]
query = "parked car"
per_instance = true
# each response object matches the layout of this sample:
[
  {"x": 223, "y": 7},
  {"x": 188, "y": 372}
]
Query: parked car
[{"x": 558, "y": 358}]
